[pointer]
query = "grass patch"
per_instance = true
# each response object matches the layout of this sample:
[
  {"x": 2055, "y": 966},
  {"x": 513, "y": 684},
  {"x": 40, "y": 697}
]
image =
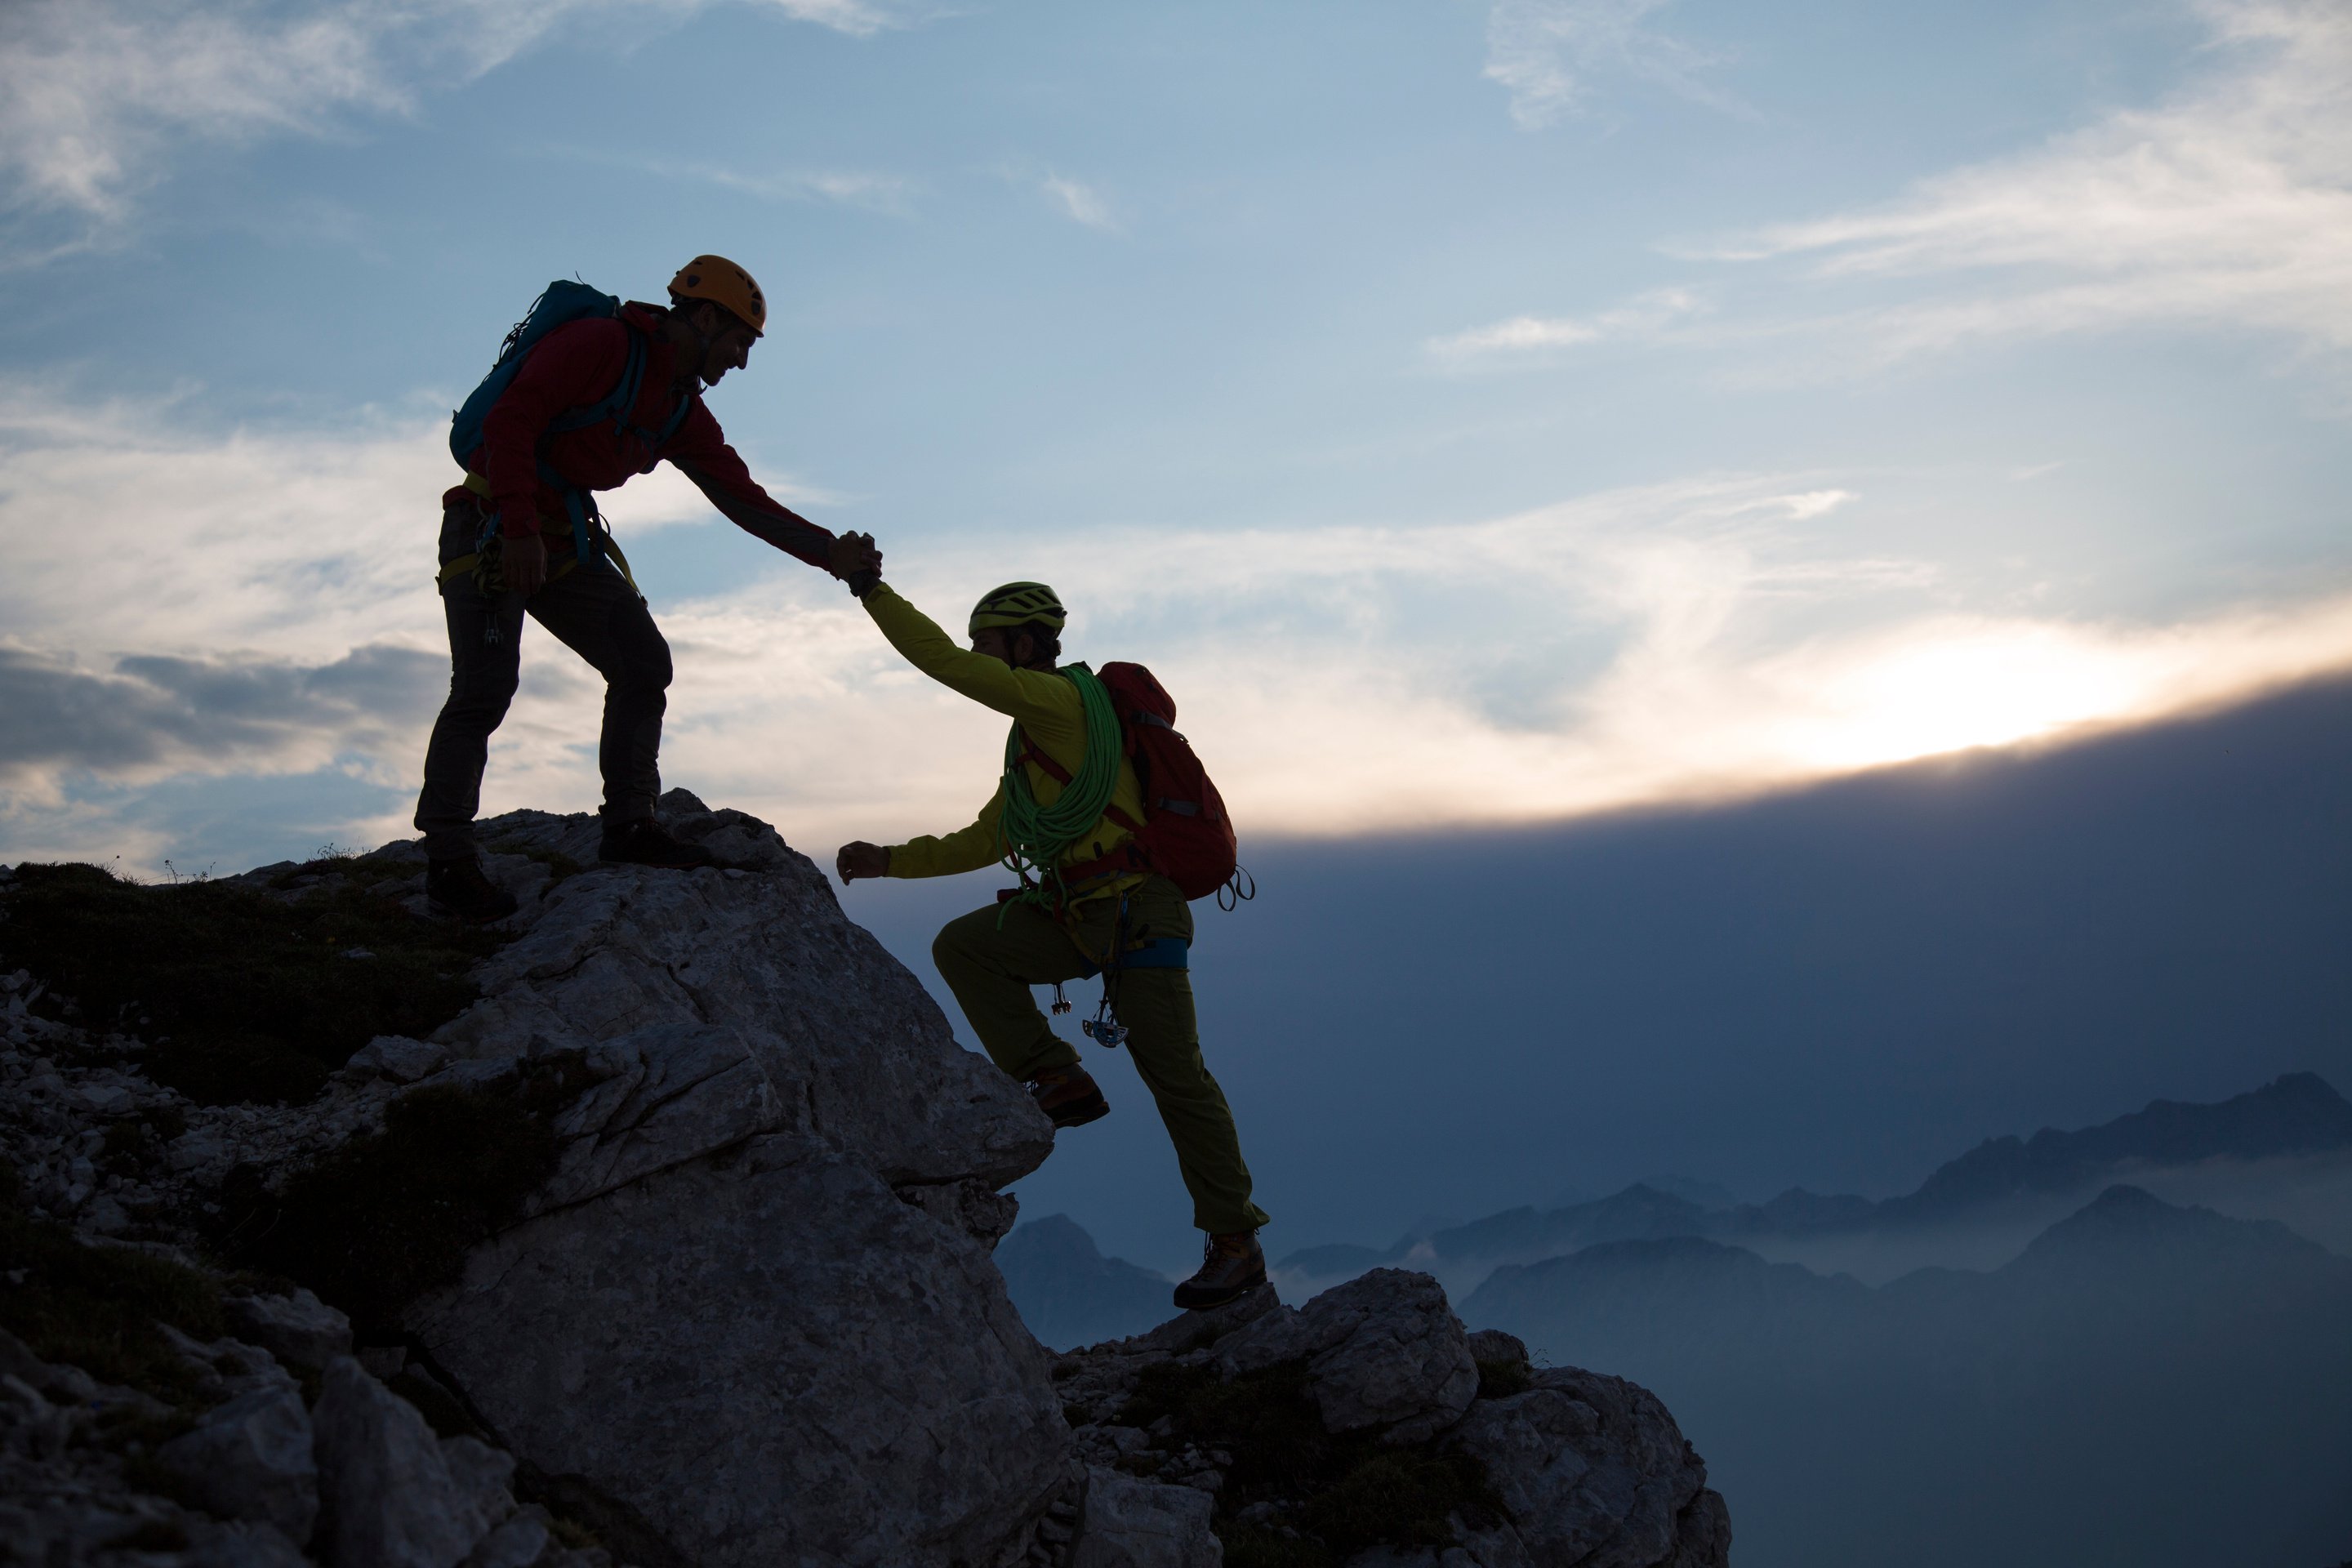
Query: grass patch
[
  {"x": 97, "y": 1307},
  {"x": 1502, "y": 1379},
  {"x": 364, "y": 871},
  {"x": 1345, "y": 1493},
  {"x": 241, "y": 996},
  {"x": 374, "y": 1223}
]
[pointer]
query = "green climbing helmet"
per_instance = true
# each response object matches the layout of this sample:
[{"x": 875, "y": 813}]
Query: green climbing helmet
[{"x": 1018, "y": 604}]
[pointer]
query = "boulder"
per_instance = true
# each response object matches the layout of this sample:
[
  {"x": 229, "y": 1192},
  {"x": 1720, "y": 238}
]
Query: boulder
[
  {"x": 1128, "y": 1522},
  {"x": 397, "y": 1057},
  {"x": 1384, "y": 1351},
  {"x": 771, "y": 1359},
  {"x": 755, "y": 1307},
  {"x": 250, "y": 1458},
  {"x": 388, "y": 1497},
  {"x": 520, "y": 1542},
  {"x": 1590, "y": 1471},
  {"x": 1594, "y": 1472},
  {"x": 299, "y": 1329}
]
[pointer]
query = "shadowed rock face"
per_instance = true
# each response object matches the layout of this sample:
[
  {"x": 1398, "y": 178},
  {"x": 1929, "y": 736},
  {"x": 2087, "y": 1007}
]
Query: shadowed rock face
[
  {"x": 1368, "y": 1428},
  {"x": 734, "y": 1302},
  {"x": 756, "y": 1304}
]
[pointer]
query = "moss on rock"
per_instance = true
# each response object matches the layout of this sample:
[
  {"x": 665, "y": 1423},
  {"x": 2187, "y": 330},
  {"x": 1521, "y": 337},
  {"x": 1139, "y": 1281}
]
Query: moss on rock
[
  {"x": 373, "y": 1224},
  {"x": 97, "y": 1308},
  {"x": 242, "y": 996}
]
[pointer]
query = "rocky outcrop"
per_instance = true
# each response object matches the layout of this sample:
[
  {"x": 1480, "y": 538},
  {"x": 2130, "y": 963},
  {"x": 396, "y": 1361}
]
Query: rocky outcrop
[
  {"x": 741, "y": 1308},
  {"x": 257, "y": 1476},
  {"x": 1367, "y": 1423},
  {"x": 746, "y": 1313}
]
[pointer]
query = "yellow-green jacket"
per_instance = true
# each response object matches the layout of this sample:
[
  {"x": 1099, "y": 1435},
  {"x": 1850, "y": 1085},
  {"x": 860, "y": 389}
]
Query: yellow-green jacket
[{"x": 1047, "y": 708}]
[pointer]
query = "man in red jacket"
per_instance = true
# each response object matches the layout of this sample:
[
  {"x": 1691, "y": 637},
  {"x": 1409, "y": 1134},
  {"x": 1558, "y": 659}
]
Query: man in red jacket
[{"x": 715, "y": 316}]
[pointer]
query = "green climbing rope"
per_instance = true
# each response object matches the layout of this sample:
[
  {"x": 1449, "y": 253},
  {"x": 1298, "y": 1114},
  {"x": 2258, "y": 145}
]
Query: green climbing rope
[{"x": 1031, "y": 839}]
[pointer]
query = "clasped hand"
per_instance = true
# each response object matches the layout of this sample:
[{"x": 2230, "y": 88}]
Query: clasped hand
[{"x": 854, "y": 558}]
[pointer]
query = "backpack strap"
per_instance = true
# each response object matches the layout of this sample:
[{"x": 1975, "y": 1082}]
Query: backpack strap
[
  {"x": 1030, "y": 753},
  {"x": 590, "y": 543}
]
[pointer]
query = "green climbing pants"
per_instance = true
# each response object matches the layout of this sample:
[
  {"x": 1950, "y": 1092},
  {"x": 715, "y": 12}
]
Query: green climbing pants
[{"x": 991, "y": 969}]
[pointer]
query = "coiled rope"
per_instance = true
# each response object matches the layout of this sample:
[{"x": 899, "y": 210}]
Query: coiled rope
[{"x": 1031, "y": 839}]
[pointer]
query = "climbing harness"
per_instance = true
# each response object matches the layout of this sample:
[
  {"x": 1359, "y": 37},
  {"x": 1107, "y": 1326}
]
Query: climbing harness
[
  {"x": 1153, "y": 953},
  {"x": 487, "y": 564},
  {"x": 1030, "y": 838}
]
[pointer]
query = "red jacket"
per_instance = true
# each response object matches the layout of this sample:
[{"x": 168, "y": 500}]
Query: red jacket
[{"x": 579, "y": 364}]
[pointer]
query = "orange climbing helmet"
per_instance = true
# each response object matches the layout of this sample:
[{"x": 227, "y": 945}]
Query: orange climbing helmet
[{"x": 720, "y": 281}]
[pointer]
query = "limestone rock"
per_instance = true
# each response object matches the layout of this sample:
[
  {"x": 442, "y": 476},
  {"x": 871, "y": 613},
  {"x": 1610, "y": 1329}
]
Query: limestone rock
[
  {"x": 670, "y": 1093},
  {"x": 1133, "y": 1523},
  {"x": 973, "y": 1208},
  {"x": 388, "y": 1497},
  {"x": 732, "y": 1310},
  {"x": 771, "y": 1359},
  {"x": 480, "y": 1474},
  {"x": 520, "y": 1542},
  {"x": 250, "y": 1458},
  {"x": 1383, "y": 1350},
  {"x": 396, "y": 1057},
  {"x": 1590, "y": 1471},
  {"x": 1594, "y": 1472},
  {"x": 299, "y": 1329},
  {"x": 846, "y": 1035}
]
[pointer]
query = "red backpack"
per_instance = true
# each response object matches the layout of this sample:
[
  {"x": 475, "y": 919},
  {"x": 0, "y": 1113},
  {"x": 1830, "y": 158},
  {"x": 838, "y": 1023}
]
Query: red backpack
[{"x": 1185, "y": 834}]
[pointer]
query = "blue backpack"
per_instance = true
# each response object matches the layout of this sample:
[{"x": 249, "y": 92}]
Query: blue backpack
[{"x": 564, "y": 302}]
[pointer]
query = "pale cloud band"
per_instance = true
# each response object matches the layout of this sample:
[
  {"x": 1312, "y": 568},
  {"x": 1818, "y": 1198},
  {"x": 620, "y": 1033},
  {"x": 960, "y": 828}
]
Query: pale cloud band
[
  {"x": 1547, "y": 54},
  {"x": 1633, "y": 647},
  {"x": 98, "y": 96},
  {"x": 2227, "y": 206}
]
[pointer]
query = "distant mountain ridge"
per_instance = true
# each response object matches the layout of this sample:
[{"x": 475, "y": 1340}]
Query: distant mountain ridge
[
  {"x": 1068, "y": 1293},
  {"x": 2145, "y": 1383},
  {"x": 2298, "y": 1113}
]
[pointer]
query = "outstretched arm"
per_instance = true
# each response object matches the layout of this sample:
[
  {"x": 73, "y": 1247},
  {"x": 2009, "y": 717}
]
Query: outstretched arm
[
  {"x": 965, "y": 849},
  {"x": 700, "y": 452}
]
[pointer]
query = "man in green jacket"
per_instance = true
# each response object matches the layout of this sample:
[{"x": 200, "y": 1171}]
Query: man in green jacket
[{"x": 1133, "y": 925}]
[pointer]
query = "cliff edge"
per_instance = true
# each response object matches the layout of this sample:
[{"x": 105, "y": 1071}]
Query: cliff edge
[{"x": 667, "y": 1242}]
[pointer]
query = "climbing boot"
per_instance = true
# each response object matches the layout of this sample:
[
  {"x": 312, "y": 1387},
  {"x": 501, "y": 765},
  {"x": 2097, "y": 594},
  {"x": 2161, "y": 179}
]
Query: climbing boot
[
  {"x": 1231, "y": 1266},
  {"x": 645, "y": 842},
  {"x": 460, "y": 887},
  {"x": 1069, "y": 1096}
]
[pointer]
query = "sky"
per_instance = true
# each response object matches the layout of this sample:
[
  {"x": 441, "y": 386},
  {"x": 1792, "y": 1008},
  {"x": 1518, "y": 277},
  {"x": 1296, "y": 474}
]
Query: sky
[
  {"x": 1839, "y": 987},
  {"x": 1486, "y": 414},
  {"x": 1486, "y": 417}
]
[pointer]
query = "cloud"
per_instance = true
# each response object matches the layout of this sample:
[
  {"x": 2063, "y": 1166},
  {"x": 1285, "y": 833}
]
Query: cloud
[
  {"x": 1644, "y": 316},
  {"x": 151, "y": 716},
  {"x": 258, "y": 605},
  {"x": 98, "y": 96},
  {"x": 1547, "y": 53},
  {"x": 1081, "y": 202},
  {"x": 2231, "y": 206},
  {"x": 873, "y": 191}
]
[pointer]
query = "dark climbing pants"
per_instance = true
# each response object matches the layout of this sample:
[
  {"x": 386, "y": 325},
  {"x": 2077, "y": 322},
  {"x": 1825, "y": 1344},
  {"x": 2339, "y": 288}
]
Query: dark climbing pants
[
  {"x": 594, "y": 612},
  {"x": 991, "y": 969}
]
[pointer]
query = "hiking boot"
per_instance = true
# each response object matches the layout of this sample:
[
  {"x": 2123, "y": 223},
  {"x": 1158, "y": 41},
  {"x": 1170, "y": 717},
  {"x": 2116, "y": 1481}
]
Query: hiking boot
[
  {"x": 460, "y": 887},
  {"x": 645, "y": 842},
  {"x": 1069, "y": 1096},
  {"x": 1231, "y": 1266}
]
